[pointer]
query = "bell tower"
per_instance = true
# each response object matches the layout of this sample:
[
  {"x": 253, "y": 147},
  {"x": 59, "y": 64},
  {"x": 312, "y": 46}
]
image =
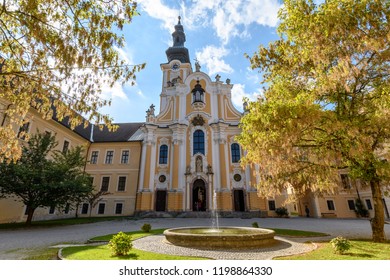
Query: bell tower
[{"x": 178, "y": 51}]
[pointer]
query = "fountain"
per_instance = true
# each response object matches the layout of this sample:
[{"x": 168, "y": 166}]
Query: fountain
[
  {"x": 222, "y": 238},
  {"x": 217, "y": 237}
]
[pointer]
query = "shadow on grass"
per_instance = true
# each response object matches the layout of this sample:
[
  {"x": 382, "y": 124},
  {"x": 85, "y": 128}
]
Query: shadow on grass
[
  {"x": 363, "y": 256},
  {"x": 128, "y": 257}
]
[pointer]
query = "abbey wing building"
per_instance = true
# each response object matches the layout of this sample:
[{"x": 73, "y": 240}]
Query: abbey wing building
[{"x": 182, "y": 161}]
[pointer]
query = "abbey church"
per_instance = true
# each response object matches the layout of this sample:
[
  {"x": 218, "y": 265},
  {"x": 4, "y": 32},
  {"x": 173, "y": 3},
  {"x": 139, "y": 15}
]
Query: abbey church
[{"x": 182, "y": 161}]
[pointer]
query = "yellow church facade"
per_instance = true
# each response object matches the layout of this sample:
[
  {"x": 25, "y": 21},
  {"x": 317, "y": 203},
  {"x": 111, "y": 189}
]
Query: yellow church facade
[{"x": 183, "y": 161}]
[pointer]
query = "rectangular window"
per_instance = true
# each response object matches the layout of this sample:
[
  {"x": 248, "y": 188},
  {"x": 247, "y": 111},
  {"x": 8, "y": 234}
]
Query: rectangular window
[
  {"x": 26, "y": 210},
  {"x": 65, "y": 147},
  {"x": 330, "y": 204},
  {"x": 345, "y": 181},
  {"x": 52, "y": 209},
  {"x": 351, "y": 204},
  {"x": 121, "y": 183},
  {"x": 271, "y": 205},
  {"x": 109, "y": 157},
  {"x": 118, "y": 208},
  {"x": 101, "y": 208},
  {"x": 105, "y": 184},
  {"x": 125, "y": 157},
  {"x": 23, "y": 130},
  {"x": 369, "y": 205},
  {"x": 84, "y": 208},
  {"x": 67, "y": 208},
  {"x": 94, "y": 157}
]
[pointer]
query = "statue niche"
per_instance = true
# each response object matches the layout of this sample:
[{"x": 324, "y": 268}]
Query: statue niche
[{"x": 199, "y": 164}]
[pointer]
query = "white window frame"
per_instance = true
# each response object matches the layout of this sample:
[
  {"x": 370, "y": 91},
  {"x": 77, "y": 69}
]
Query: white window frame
[
  {"x": 112, "y": 159},
  {"x": 117, "y": 185}
]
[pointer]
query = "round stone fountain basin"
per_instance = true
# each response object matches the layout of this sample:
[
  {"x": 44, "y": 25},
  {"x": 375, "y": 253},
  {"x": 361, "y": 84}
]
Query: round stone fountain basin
[{"x": 223, "y": 238}]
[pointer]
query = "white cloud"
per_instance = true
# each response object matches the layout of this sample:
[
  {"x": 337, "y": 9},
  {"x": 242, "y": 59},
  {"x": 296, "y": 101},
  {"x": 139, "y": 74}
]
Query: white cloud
[
  {"x": 238, "y": 94},
  {"x": 228, "y": 18},
  {"x": 211, "y": 57},
  {"x": 156, "y": 9}
]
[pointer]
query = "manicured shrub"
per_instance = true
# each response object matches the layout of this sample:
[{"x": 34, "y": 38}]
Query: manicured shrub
[
  {"x": 255, "y": 225},
  {"x": 146, "y": 228},
  {"x": 281, "y": 212},
  {"x": 120, "y": 244},
  {"x": 340, "y": 245}
]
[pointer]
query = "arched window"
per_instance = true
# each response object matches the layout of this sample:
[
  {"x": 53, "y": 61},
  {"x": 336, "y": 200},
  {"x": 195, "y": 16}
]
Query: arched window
[
  {"x": 235, "y": 153},
  {"x": 163, "y": 158},
  {"x": 198, "y": 142},
  {"x": 198, "y": 93}
]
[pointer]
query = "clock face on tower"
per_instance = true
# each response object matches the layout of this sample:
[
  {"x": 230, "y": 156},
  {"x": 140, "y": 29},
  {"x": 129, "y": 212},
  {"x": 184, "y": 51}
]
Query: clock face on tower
[{"x": 175, "y": 66}]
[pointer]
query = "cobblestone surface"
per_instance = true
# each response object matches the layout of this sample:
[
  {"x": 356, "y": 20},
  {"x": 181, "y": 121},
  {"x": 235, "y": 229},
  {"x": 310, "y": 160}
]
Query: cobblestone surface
[
  {"x": 283, "y": 247},
  {"x": 16, "y": 244}
]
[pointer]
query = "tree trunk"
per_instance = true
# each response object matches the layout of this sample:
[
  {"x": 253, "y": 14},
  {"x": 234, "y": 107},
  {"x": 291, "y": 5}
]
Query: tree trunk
[
  {"x": 378, "y": 221},
  {"x": 30, "y": 214}
]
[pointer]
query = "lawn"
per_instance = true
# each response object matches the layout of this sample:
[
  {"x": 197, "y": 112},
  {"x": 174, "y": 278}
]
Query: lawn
[
  {"x": 360, "y": 250},
  {"x": 61, "y": 222},
  {"x": 102, "y": 252}
]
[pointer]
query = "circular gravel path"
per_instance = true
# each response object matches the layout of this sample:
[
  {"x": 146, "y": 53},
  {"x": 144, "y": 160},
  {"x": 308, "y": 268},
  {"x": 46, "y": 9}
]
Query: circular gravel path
[{"x": 284, "y": 247}]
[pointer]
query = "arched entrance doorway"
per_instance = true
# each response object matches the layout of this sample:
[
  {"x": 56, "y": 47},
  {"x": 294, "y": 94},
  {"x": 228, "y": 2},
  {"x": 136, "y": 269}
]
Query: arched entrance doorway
[
  {"x": 199, "y": 195},
  {"x": 239, "y": 201}
]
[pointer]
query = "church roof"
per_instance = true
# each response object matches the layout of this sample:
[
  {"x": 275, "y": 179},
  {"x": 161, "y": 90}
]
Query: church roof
[{"x": 123, "y": 134}]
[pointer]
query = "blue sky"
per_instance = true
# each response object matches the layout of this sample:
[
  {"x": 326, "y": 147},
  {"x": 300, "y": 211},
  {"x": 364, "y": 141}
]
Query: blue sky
[{"x": 218, "y": 34}]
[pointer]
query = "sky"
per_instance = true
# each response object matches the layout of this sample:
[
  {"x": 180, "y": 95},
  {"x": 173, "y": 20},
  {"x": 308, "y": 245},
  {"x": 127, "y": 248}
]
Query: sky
[{"x": 218, "y": 34}]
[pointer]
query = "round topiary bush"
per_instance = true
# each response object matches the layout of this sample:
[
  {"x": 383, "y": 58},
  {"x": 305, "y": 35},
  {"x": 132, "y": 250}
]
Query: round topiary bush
[
  {"x": 255, "y": 225},
  {"x": 146, "y": 228},
  {"x": 281, "y": 212},
  {"x": 340, "y": 245},
  {"x": 120, "y": 244}
]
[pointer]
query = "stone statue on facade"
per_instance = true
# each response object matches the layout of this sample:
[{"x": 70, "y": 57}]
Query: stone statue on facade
[
  {"x": 199, "y": 164},
  {"x": 197, "y": 66}
]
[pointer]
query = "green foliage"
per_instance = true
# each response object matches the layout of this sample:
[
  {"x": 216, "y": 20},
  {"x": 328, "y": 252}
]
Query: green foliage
[
  {"x": 325, "y": 102},
  {"x": 146, "y": 227},
  {"x": 361, "y": 210},
  {"x": 255, "y": 225},
  {"x": 281, "y": 212},
  {"x": 360, "y": 250},
  {"x": 44, "y": 177},
  {"x": 60, "y": 50},
  {"x": 120, "y": 244},
  {"x": 340, "y": 245}
]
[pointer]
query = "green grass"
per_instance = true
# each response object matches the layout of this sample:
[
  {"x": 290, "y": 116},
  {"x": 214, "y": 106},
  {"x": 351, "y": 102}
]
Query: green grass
[
  {"x": 61, "y": 222},
  {"x": 42, "y": 254},
  {"x": 360, "y": 250},
  {"x": 134, "y": 235},
  {"x": 297, "y": 233},
  {"x": 102, "y": 252}
]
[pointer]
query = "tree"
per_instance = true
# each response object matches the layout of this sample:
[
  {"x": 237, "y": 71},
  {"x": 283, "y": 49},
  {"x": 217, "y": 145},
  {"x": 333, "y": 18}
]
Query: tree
[
  {"x": 40, "y": 181},
  {"x": 59, "y": 53},
  {"x": 326, "y": 101}
]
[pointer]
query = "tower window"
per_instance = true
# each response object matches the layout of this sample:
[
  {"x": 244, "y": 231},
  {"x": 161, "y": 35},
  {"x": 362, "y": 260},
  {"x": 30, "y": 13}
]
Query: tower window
[
  {"x": 163, "y": 158},
  {"x": 236, "y": 156},
  {"x": 197, "y": 93},
  {"x": 198, "y": 142}
]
